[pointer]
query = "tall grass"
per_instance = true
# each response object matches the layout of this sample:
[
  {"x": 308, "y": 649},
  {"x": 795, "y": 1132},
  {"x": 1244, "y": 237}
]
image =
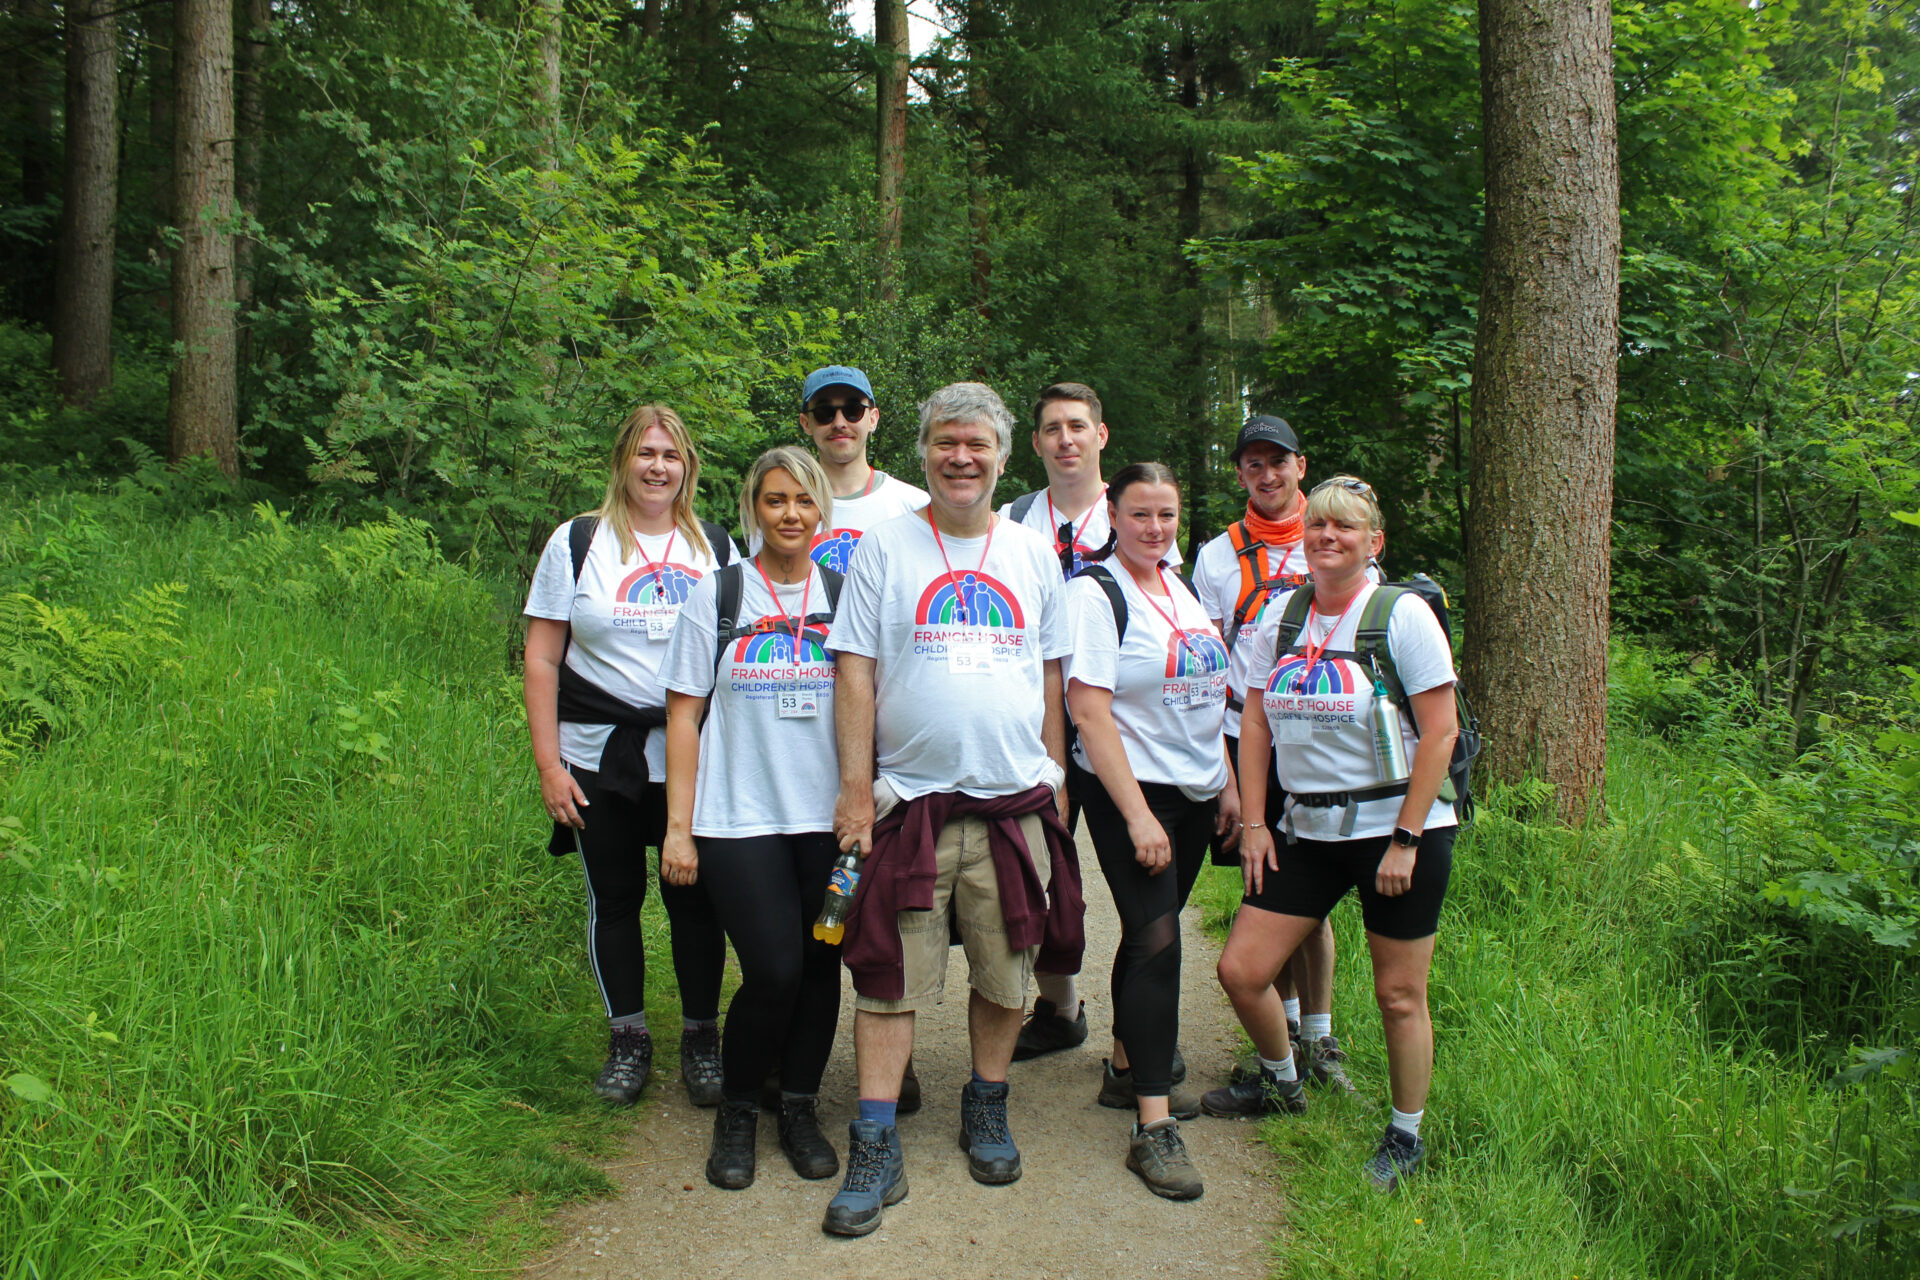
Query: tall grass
[
  {"x": 288, "y": 984},
  {"x": 1598, "y": 1109}
]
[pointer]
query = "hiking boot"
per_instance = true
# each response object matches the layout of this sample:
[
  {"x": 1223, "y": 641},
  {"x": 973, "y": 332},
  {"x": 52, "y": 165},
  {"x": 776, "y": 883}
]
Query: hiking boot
[
  {"x": 1247, "y": 1065},
  {"x": 991, "y": 1156},
  {"x": 1179, "y": 1066},
  {"x": 909, "y": 1100},
  {"x": 808, "y": 1150},
  {"x": 1159, "y": 1156},
  {"x": 700, "y": 1064},
  {"x": 730, "y": 1163},
  {"x": 1327, "y": 1065},
  {"x": 1263, "y": 1096},
  {"x": 629, "y": 1063},
  {"x": 876, "y": 1178},
  {"x": 1397, "y": 1156},
  {"x": 1116, "y": 1091},
  {"x": 1047, "y": 1032}
]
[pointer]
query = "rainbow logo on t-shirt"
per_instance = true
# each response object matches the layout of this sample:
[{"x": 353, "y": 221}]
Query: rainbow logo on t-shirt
[
  {"x": 834, "y": 549},
  {"x": 1201, "y": 654},
  {"x": 768, "y": 645},
  {"x": 969, "y": 599},
  {"x": 1329, "y": 675},
  {"x": 658, "y": 584}
]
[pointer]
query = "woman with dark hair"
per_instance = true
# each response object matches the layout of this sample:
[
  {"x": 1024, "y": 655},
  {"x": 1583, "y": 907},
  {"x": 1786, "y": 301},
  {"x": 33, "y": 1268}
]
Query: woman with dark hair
[
  {"x": 1147, "y": 688},
  {"x": 604, "y": 599},
  {"x": 752, "y": 775},
  {"x": 1363, "y": 810}
]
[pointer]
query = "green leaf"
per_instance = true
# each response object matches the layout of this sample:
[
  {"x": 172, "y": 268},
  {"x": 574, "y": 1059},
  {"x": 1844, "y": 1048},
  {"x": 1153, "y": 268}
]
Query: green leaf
[{"x": 29, "y": 1088}]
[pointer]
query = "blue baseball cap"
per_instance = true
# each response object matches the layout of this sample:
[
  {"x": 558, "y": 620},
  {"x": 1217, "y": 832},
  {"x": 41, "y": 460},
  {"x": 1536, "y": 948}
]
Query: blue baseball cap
[{"x": 836, "y": 375}]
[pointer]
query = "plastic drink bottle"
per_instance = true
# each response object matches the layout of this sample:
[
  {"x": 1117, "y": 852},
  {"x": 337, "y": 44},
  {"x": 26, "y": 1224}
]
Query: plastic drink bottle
[
  {"x": 1389, "y": 748},
  {"x": 840, "y": 886}
]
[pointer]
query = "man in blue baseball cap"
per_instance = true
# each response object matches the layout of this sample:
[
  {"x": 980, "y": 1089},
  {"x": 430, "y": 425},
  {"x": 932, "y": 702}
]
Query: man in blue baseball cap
[{"x": 838, "y": 412}]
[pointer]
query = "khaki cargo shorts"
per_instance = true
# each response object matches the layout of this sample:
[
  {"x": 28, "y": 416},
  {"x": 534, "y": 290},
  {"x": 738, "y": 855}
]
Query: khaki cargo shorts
[{"x": 965, "y": 881}]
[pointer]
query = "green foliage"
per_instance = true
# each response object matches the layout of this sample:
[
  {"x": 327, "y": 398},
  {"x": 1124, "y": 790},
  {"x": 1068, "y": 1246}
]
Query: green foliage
[{"x": 287, "y": 982}]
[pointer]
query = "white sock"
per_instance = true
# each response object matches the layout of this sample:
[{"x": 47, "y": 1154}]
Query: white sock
[
  {"x": 1062, "y": 990},
  {"x": 1293, "y": 1009},
  {"x": 1284, "y": 1070},
  {"x": 1315, "y": 1025},
  {"x": 1407, "y": 1121}
]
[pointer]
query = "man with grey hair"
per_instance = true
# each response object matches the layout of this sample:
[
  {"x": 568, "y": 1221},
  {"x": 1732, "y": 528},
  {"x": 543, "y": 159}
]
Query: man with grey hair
[{"x": 952, "y": 735}]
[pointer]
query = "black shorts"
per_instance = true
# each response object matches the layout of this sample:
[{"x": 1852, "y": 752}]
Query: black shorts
[{"x": 1315, "y": 874}]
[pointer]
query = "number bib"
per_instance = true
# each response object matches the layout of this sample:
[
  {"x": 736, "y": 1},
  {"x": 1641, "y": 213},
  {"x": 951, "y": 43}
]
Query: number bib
[
  {"x": 970, "y": 654},
  {"x": 792, "y": 702},
  {"x": 660, "y": 619}
]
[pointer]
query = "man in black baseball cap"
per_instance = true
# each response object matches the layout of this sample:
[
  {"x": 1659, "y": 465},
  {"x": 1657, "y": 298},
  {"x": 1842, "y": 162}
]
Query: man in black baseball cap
[{"x": 1265, "y": 428}]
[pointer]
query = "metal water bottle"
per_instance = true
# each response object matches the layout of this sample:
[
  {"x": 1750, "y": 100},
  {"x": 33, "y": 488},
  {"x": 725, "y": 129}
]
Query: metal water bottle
[
  {"x": 844, "y": 879},
  {"x": 1389, "y": 748}
]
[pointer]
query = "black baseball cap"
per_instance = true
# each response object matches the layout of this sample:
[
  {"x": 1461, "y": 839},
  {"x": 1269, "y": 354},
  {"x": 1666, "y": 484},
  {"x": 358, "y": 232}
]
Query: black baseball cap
[{"x": 1265, "y": 427}]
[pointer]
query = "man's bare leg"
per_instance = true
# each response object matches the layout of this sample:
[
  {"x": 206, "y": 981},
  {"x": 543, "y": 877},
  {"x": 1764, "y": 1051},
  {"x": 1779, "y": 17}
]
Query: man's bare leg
[{"x": 882, "y": 1044}]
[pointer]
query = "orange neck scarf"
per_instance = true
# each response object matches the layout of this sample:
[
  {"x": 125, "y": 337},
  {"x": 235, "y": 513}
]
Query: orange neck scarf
[{"x": 1282, "y": 532}]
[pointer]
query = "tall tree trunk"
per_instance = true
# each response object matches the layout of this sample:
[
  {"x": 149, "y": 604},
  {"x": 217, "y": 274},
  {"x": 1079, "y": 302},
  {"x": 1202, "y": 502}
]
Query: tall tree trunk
[
  {"x": 157, "y": 33},
  {"x": 890, "y": 146},
  {"x": 650, "y": 20},
  {"x": 250, "y": 107},
  {"x": 1544, "y": 393},
  {"x": 979, "y": 195},
  {"x": 37, "y": 34},
  {"x": 1192, "y": 352},
  {"x": 83, "y": 286},
  {"x": 547, "y": 89},
  {"x": 203, "y": 400}
]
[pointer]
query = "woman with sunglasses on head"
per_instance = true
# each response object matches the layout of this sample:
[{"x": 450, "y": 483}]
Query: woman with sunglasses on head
[
  {"x": 1147, "y": 689},
  {"x": 750, "y": 801},
  {"x": 1357, "y": 816},
  {"x": 604, "y": 599}
]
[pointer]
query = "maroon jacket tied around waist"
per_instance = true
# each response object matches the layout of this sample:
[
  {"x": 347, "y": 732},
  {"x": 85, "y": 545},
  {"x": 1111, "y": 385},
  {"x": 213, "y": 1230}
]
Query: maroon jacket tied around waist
[{"x": 900, "y": 872}]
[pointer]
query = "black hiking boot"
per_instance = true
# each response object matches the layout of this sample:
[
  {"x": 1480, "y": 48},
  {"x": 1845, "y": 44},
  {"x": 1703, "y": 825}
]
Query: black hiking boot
[
  {"x": 735, "y": 1126},
  {"x": 1046, "y": 1031},
  {"x": 700, "y": 1064},
  {"x": 808, "y": 1150},
  {"x": 992, "y": 1157},
  {"x": 629, "y": 1063},
  {"x": 1263, "y": 1096}
]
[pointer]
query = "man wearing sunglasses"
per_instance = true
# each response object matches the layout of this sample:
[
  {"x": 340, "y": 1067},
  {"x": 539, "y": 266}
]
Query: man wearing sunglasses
[
  {"x": 838, "y": 414},
  {"x": 1258, "y": 557}
]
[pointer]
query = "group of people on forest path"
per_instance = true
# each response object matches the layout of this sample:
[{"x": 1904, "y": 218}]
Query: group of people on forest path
[{"x": 942, "y": 690}]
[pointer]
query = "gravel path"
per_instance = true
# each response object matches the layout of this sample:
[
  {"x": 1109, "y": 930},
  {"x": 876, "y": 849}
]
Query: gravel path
[{"x": 1076, "y": 1214}]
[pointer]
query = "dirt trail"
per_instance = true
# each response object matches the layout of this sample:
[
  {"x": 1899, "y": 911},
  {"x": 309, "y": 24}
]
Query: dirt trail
[{"x": 1076, "y": 1214}]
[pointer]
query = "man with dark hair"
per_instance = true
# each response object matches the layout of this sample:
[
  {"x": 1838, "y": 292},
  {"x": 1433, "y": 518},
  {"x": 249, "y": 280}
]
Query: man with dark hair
[{"x": 838, "y": 413}]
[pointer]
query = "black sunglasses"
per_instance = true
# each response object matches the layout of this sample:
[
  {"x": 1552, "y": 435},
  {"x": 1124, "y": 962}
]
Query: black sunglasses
[{"x": 824, "y": 414}]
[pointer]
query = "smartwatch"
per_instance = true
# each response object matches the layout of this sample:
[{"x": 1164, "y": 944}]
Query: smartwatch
[{"x": 1403, "y": 836}]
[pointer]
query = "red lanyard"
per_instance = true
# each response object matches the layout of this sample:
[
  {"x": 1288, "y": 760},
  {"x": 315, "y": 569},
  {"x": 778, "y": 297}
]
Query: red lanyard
[
  {"x": 1053, "y": 523},
  {"x": 966, "y": 619},
  {"x": 659, "y": 566},
  {"x": 872, "y": 476},
  {"x": 1307, "y": 651},
  {"x": 799, "y": 631},
  {"x": 1286, "y": 556},
  {"x": 1172, "y": 618}
]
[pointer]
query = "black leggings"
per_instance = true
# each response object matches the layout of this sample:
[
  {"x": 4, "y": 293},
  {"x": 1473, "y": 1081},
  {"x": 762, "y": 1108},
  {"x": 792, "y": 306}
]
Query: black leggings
[
  {"x": 1146, "y": 969},
  {"x": 613, "y": 849},
  {"x": 767, "y": 891}
]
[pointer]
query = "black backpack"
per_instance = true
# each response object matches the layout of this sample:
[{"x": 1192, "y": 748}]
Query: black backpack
[
  {"x": 1118, "y": 599},
  {"x": 730, "y": 582},
  {"x": 1372, "y": 651}
]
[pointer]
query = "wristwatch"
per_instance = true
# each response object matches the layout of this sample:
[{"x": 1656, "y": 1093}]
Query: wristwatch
[{"x": 1403, "y": 836}]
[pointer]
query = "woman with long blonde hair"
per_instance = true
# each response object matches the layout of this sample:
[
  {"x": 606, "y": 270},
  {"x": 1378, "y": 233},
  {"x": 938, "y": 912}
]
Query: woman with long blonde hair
[{"x": 604, "y": 600}]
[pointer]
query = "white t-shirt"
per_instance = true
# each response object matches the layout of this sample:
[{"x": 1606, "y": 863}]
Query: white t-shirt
[
  {"x": 852, "y": 517},
  {"x": 1322, "y": 734},
  {"x": 959, "y": 680},
  {"x": 621, "y": 616},
  {"x": 1169, "y": 692},
  {"x": 760, "y": 773},
  {"x": 1089, "y": 531},
  {"x": 1216, "y": 576}
]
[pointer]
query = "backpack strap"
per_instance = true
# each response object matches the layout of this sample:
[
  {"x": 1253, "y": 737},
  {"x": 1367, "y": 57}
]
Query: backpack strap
[
  {"x": 1023, "y": 504},
  {"x": 729, "y": 581},
  {"x": 1370, "y": 642},
  {"x": 580, "y": 541},
  {"x": 1294, "y": 619},
  {"x": 1254, "y": 583},
  {"x": 1115, "y": 598},
  {"x": 719, "y": 542}
]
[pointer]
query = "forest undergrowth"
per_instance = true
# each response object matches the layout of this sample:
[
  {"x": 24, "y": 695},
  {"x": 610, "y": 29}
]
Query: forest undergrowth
[{"x": 288, "y": 984}]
